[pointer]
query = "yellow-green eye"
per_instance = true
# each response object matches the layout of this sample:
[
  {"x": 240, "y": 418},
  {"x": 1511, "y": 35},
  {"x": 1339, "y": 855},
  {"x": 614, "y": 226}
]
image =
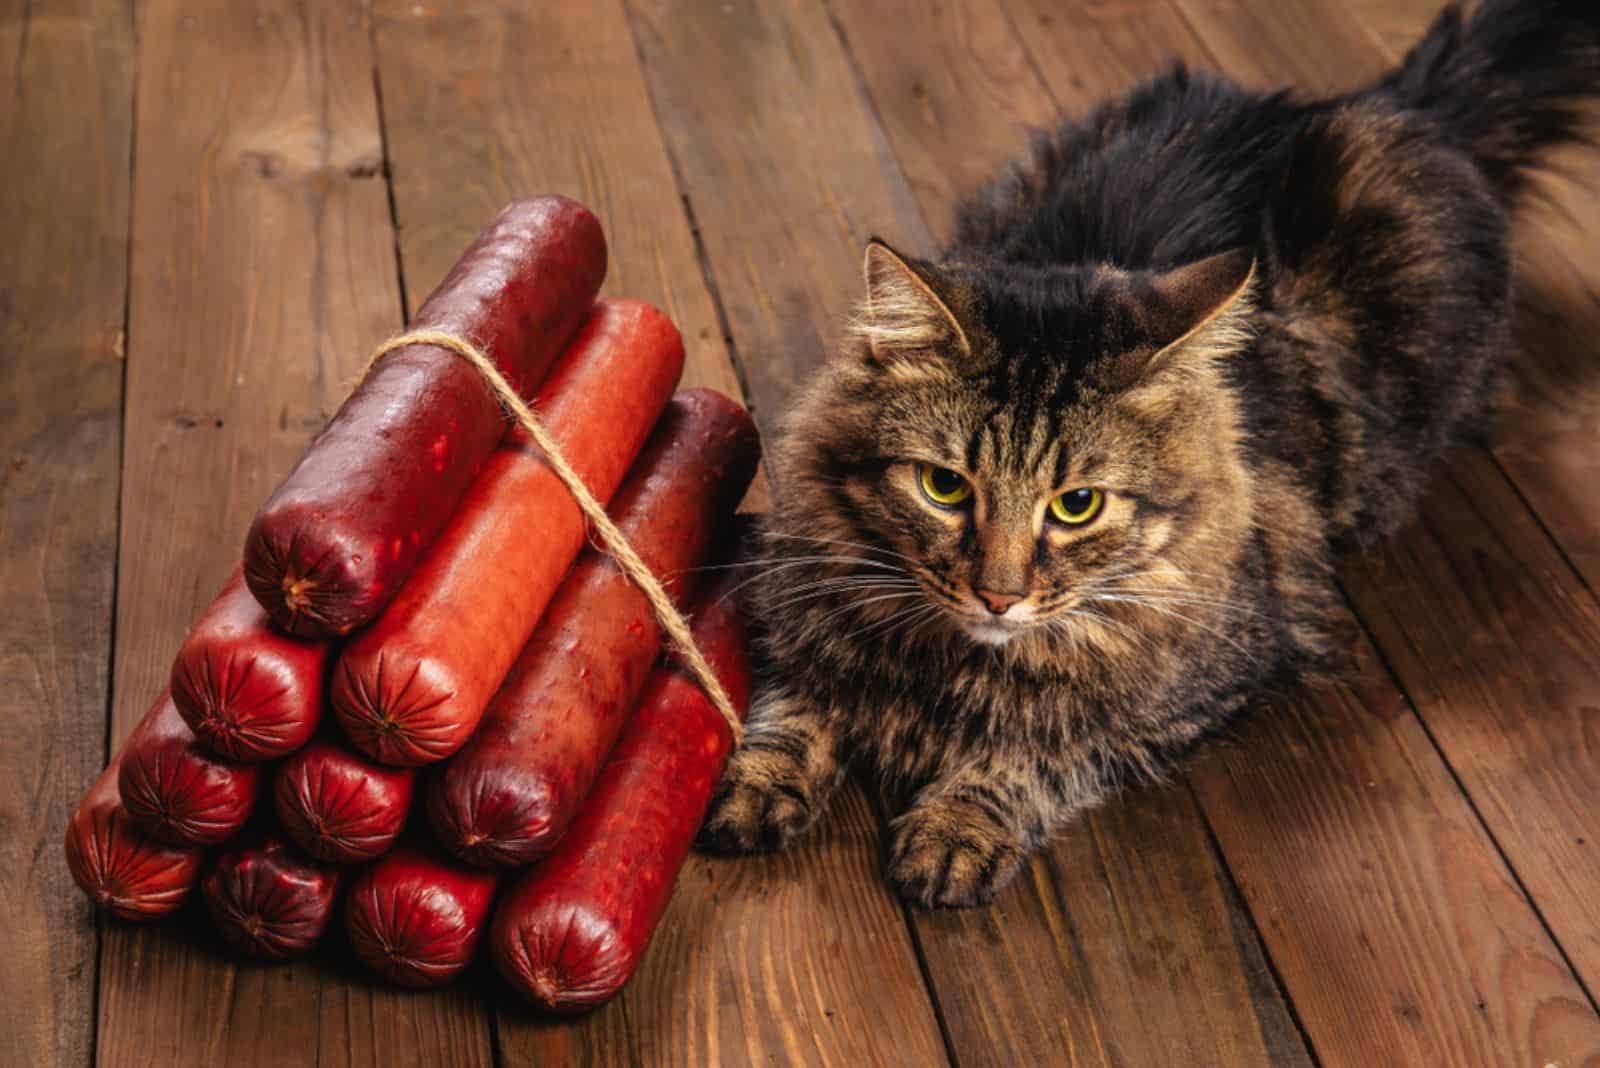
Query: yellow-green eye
[
  {"x": 943, "y": 486},
  {"x": 1077, "y": 507}
]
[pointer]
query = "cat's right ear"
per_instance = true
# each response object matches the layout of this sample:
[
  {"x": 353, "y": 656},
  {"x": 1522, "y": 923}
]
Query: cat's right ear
[
  {"x": 902, "y": 313},
  {"x": 1200, "y": 311}
]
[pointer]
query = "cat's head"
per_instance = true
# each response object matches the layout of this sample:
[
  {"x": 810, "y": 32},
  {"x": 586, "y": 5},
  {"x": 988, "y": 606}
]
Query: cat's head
[{"x": 1026, "y": 443}]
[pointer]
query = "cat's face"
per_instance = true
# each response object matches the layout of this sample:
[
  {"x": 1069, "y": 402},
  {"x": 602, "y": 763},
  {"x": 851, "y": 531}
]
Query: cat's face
[
  {"x": 1014, "y": 517},
  {"x": 1027, "y": 447}
]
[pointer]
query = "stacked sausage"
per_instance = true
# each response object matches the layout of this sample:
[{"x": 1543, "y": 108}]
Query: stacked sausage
[{"x": 419, "y": 592}]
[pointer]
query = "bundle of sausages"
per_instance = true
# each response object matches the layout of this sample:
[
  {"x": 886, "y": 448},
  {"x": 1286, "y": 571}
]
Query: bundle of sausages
[{"x": 422, "y": 575}]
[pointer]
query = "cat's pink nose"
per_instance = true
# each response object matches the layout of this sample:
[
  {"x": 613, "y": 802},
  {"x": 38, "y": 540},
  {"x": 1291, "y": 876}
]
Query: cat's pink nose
[{"x": 997, "y": 603}]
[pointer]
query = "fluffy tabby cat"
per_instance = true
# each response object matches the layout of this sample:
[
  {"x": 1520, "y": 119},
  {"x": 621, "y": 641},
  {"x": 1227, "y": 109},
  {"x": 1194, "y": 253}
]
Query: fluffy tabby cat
[{"x": 1071, "y": 495}]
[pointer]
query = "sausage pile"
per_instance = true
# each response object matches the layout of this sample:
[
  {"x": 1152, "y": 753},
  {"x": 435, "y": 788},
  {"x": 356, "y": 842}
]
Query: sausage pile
[{"x": 423, "y": 697}]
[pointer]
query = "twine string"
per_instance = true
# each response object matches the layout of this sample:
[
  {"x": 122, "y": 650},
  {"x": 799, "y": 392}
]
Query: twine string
[{"x": 673, "y": 623}]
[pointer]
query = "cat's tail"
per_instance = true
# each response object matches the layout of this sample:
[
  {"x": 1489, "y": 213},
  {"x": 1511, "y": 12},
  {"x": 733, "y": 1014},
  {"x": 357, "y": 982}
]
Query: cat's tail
[{"x": 1507, "y": 82}]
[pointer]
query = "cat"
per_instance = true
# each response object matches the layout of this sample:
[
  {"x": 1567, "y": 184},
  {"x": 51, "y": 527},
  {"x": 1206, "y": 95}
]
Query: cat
[{"x": 1068, "y": 498}]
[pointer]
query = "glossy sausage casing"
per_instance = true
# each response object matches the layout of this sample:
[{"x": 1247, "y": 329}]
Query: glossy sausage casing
[
  {"x": 570, "y": 932},
  {"x": 248, "y": 691},
  {"x": 336, "y": 540},
  {"x": 122, "y": 868},
  {"x": 339, "y": 806},
  {"x": 505, "y": 798},
  {"x": 268, "y": 903},
  {"x": 415, "y": 917},
  {"x": 177, "y": 789},
  {"x": 412, "y": 687}
]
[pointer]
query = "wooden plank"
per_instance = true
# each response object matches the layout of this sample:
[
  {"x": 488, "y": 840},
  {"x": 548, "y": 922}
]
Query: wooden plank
[
  {"x": 263, "y": 270},
  {"x": 953, "y": 88},
  {"x": 1120, "y": 944},
  {"x": 1130, "y": 910},
  {"x": 1090, "y": 49},
  {"x": 821, "y": 940},
  {"x": 1495, "y": 639},
  {"x": 1397, "y": 929},
  {"x": 801, "y": 957},
  {"x": 1310, "y": 44},
  {"x": 786, "y": 172},
  {"x": 66, "y": 128}
]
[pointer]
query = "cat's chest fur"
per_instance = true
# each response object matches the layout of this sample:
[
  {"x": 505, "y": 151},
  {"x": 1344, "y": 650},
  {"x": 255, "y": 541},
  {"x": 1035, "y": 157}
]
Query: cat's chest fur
[{"x": 904, "y": 710}]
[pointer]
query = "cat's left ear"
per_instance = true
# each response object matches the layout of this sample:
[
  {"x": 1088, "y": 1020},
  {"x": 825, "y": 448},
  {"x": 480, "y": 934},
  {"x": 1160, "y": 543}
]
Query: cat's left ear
[
  {"x": 902, "y": 313},
  {"x": 1200, "y": 310}
]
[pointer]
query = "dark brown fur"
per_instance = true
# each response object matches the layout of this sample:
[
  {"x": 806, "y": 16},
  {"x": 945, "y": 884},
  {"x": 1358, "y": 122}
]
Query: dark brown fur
[{"x": 1251, "y": 322}]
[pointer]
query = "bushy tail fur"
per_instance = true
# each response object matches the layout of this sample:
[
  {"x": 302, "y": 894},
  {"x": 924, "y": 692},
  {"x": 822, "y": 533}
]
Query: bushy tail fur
[{"x": 1507, "y": 82}]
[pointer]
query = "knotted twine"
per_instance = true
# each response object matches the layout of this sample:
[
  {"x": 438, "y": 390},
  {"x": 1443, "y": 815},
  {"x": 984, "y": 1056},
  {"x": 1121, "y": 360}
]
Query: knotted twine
[{"x": 616, "y": 544}]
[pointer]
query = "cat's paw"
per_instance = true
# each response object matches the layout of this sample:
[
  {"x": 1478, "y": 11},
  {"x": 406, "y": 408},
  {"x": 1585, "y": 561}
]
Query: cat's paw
[
  {"x": 946, "y": 855},
  {"x": 760, "y": 805}
]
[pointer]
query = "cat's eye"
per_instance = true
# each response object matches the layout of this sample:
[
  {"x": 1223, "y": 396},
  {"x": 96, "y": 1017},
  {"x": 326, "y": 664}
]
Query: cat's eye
[
  {"x": 1077, "y": 507},
  {"x": 943, "y": 486}
]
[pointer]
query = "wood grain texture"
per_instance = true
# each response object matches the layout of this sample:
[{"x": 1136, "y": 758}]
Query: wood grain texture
[
  {"x": 1089, "y": 49},
  {"x": 63, "y": 280},
  {"x": 262, "y": 271},
  {"x": 802, "y": 957},
  {"x": 953, "y": 88},
  {"x": 1394, "y": 923},
  {"x": 1498, "y": 644},
  {"x": 1309, "y": 44},
  {"x": 1123, "y": 944},
  {"x": 785, "y": 170},
  {"x": 1119, "y": 945}
]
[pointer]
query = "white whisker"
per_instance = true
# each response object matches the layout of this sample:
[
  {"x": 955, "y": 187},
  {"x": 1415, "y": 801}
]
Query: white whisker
[
  {"x": 1181, "y": 618},
  {"x": 829, "y": 587},
  {"x": 889, "y": 571},
  {"x": 788, "y": 561},
  {"x": 863, "y": 602},
  {"x": 843, "y": 543}
]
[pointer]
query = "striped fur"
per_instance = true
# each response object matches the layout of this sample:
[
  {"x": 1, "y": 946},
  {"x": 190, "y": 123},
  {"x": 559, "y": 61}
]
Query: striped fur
[{"x": 1252, "y": 322}]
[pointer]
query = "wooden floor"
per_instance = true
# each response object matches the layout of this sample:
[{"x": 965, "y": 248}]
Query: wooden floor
[{"x": 211, "y": 209}]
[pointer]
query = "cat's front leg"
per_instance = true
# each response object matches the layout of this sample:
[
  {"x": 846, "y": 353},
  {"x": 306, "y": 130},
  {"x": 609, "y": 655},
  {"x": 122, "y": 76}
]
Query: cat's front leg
[
  {"x": 778, "y": 781},
  {"x": 965, "y": 836}
]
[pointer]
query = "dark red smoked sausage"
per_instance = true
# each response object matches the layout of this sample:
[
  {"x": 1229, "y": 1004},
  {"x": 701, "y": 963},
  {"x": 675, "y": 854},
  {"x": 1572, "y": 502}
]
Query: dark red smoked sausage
[
  {"x": 247, "y": 691},
  {"x": 508, "y": 794},
  {"x": 268, "y": 903},
  {"x": 337, "y": 539},
  {"x": 175, "y": 788},
  {"x": 339, "y": 806},
  {"x": 570, "y": 932},
  {"x": 415, "y": 917},
  {"x": 120, "y": 867},
  {"x": 410, "y": 688}
]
